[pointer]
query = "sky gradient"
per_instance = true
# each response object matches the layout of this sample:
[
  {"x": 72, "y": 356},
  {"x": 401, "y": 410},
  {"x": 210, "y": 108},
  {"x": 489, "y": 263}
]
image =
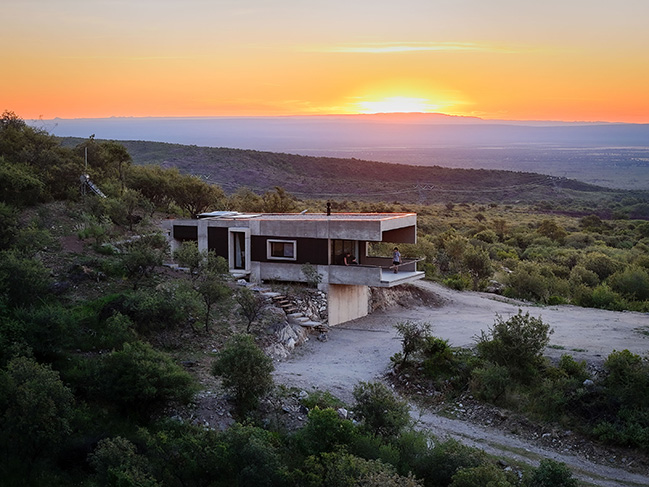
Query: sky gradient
[{"x": 571, "y": 60}]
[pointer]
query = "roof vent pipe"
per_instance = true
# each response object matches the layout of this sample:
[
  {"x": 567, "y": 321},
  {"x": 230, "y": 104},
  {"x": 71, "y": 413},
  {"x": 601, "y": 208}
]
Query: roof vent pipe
[{"x": 328, "y": 208}]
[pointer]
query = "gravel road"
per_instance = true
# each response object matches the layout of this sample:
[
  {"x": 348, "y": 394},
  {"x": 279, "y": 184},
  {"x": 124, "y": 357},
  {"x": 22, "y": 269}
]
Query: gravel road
[{"x": 360, "y": 350}]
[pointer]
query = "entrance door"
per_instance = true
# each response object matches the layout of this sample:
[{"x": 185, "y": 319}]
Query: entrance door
[{"x": 239, "y": 255}]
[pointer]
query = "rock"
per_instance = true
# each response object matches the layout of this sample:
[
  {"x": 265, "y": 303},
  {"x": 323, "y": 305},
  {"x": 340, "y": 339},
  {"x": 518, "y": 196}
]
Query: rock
[
  {"x": 303, "y": 395},
  {"x": 290, "y": 344},
  {"x": 588, "y": 383},
  {"x": 342, "y": 413}
]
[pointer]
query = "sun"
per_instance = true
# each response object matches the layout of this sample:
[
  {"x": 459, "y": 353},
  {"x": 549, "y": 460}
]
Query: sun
[{"x": 397, "y": 104}]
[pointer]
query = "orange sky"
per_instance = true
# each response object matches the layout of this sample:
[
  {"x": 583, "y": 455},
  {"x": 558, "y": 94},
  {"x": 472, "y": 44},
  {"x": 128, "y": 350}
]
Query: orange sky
[{"x": 504, "y": 59}]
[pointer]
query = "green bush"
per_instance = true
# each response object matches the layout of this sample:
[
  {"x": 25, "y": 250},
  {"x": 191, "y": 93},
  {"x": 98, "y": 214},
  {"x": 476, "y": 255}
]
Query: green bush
[
  {"x": 551, "y": 474},
  {"x": 245, "y": 371},
  {"x": 485, "y": 475},
  {"x": 458, "y": 282},
  {"x": 413, "y": 337},
  {"x": 527, "y": 282},
  {"x": 322, "y": 399},
  {"x": 140, "y": 380},
  {"x": 490, "y": 382},
  {"x": 381, "y": 412},
  {"x": 324, "y": 431},
  {"x": 517, "y": 344},
  {"x": 632, "y": 283},
  {"x": 23, "y": 281},
  {"x": 605, "y": 298},
  {"x": 600, "y": 264}
]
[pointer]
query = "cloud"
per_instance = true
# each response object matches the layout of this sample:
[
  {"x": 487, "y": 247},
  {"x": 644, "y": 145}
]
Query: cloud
[{"x": 388, "y": 48}]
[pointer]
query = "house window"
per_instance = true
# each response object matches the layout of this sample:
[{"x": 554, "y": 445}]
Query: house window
[{"x": 282, "y": 249}]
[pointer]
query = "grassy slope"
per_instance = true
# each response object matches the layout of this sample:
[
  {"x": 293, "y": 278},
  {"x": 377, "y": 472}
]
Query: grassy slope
[{"x": 354, "y": 179}]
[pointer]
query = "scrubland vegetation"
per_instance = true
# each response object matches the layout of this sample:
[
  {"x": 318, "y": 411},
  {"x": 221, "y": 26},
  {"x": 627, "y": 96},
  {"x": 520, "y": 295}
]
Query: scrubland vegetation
[
  {"x": 507, "y": 369},
  {"x": 92, "y": 340}
]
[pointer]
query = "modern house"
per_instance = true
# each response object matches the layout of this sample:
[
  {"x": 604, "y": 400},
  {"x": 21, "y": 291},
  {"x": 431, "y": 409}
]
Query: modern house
[{"x": 274, "y": 247}]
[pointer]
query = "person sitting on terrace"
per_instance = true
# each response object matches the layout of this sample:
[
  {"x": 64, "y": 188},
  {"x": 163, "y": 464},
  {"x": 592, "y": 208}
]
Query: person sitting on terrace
[{"x": 349, "y": 259}]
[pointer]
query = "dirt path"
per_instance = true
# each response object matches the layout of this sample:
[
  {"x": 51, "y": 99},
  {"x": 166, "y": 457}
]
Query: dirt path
[{"x": 360, "y": 351}]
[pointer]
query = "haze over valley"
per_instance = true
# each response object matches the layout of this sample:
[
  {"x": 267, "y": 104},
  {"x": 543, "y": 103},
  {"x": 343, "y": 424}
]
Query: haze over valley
[{"x": 605, "y": 154}]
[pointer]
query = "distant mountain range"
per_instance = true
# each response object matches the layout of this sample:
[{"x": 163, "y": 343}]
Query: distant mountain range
[{"x": 319, "y": 135}]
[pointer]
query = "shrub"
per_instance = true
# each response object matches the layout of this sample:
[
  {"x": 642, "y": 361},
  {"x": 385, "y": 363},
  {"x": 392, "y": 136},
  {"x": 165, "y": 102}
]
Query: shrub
[
  {"x": 600, "y": 264},
  {"x": 572, "y": 368},
  {"x": 604, "y": 297},
  {"x": 324, "y": 431},
  {"x": 141, "y": 380},
  {"x": 36, "y": 410},
  {"x": 517, "y": 344},
  {"x": 381, "y": 412},
  {"x": 116, "y": 462},
  {"x": 490, "y": 382},
  {"x": 458, "y": 282},
  {"x": 485, "y": 475},
  {"x": 551, "y": 474},
  {"x": 23, "y": 281},
  {"x": 632, "y": 283},
  {"x": 413, "y": 337},
  {"x": 580, "y": 275},
  {"x": 245, "y": 370},
  {"x": 527, "y": 282}
]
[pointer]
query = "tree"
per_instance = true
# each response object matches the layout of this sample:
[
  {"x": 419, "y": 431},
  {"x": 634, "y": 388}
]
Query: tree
[
  {"x": 413, "y": 338},
  {"x": 117, "y": 464},
  {"x": 250, "y": 306},
  {"x": 382, "y": 413},
  {"x": 195, "y": 196},
  {"x": 19, "y": 185},
  {"x": 153, "y": 182},
  {"x": 36, "y": 410},
  {"x": 8, "y": 225},
  {"x": 22, "y": 280},
  {"x": 142, "y": 256},
  {"x": 245, "y": 371},
  {"x": 552, "y": 230},
  {"x": 210, "y": 284},
  {"x": 278, "y": 201},
  {"x": 478, "y": 263},
  {"x": 189, "y": 256},
  {"x": 245, "y": 200}
]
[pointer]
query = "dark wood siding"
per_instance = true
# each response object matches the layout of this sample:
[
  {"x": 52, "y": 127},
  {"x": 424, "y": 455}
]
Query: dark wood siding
[
  {"x": 217, "y": 241},
  {"x": 311, "y": 250},
  {"x": 185, "y": 232}
]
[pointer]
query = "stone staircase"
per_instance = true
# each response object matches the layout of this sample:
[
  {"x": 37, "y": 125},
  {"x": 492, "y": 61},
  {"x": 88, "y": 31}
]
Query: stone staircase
[{"x": 296, "y": 316}]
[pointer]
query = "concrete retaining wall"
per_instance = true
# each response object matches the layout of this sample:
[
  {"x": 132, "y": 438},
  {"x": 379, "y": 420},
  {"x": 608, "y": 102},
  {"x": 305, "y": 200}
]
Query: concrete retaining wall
[{"x": 347, "y": 303}]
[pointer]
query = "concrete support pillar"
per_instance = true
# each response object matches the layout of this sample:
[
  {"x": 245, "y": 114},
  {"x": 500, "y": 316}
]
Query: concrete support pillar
[
  {"x": 202, "y": 235},
  {"x": 347, "y": 303}
]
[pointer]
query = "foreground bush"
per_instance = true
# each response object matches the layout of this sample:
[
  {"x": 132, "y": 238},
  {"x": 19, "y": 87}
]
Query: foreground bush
[{"x": 245, "y": 371}]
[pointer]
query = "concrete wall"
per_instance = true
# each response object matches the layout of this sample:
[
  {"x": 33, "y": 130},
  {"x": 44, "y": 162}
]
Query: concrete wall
[{"x": 347, "y": 303}]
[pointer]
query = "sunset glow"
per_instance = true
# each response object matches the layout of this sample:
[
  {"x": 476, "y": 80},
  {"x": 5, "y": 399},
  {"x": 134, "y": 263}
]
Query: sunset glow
[
  {"x": 497, "y": 60},
  {"x": 397, "y": 104}
]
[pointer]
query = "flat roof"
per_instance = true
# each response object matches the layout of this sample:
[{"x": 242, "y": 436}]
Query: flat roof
[{"x": 304, "y": 216}]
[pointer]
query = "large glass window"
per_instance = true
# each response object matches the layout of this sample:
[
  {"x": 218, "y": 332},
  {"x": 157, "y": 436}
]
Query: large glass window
[
  {"x": 282, "y": 249},
  {"x": 340, "y": 247}
]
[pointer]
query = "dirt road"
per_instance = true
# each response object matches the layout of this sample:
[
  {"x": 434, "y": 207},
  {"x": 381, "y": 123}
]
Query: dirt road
[{"x": 360, "y": 351}]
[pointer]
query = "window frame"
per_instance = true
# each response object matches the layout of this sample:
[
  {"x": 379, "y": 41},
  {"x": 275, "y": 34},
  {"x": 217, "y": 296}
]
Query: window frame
[{"x": 269, "y": 248}]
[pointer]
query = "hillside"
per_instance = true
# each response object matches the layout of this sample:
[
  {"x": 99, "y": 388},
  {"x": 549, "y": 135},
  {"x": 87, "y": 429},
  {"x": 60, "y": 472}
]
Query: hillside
[{"x": 355, "y": 179}]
